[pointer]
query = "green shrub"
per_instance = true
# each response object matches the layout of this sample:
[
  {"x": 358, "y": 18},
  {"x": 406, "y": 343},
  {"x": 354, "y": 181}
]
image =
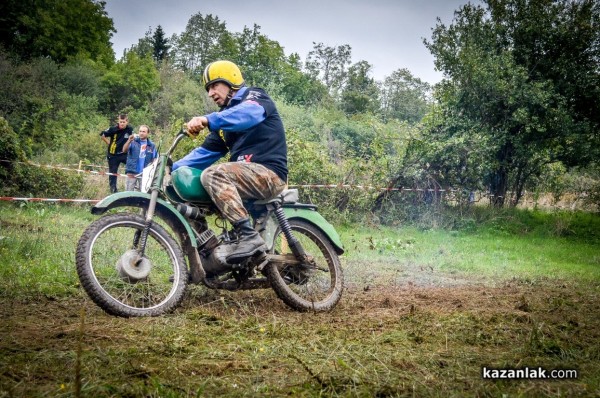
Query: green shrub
[{"x": 18, "y": 179}]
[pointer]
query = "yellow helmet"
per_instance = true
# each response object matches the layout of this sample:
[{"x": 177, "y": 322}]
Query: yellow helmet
[{"x": 223, "y": 71}]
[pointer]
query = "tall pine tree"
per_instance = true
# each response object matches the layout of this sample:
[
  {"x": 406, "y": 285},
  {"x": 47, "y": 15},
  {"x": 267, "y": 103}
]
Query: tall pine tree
[{"x": 160, "y": 45}]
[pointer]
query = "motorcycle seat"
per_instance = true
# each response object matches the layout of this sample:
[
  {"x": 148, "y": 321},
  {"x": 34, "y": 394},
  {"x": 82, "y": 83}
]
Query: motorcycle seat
[{"x": 286, "y": 196}]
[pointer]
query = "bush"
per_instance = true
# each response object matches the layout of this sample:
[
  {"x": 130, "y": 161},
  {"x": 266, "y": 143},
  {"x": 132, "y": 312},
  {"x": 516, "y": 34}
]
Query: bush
[
  {"x": 19, "y": 179},
  {"x": 315, "y": 156}
]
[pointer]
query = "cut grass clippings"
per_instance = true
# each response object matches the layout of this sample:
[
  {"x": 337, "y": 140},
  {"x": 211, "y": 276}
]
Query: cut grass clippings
[
  {"x": 415, "y": 320},
  {"x": 380, "y": 342}
]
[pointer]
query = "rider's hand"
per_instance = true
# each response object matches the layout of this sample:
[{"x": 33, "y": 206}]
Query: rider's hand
[{"x": 197, "y": 124}]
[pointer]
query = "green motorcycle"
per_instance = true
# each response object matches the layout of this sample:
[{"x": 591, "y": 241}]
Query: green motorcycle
[{"x": 140, "y": 262}]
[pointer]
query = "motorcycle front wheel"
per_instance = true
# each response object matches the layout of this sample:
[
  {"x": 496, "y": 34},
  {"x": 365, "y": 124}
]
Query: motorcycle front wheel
[
  {"x": 120, "y": 281},
  {"x": 316, "y": 286}
]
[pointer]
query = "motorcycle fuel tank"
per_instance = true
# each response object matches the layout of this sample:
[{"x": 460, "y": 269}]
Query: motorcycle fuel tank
[{"x": 187, "y": 184}]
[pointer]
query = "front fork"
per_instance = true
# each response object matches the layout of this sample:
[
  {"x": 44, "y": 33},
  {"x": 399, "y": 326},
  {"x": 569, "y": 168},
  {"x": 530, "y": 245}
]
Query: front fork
[
  {"x": 138, "y": 233},
  {"x": 140, "y": 239},
  {"x": 157, "y": 182}
]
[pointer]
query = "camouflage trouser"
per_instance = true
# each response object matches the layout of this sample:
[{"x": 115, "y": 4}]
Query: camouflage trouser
[{"x": 229, "y": 183}]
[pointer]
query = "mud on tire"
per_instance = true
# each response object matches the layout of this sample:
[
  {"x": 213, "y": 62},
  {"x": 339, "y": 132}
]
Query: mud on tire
[{"x": 307, "y": 289}]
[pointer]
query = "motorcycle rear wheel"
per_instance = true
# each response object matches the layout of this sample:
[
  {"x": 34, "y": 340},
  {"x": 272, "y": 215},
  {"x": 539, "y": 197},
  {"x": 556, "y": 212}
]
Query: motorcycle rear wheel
[
  {"x": 307, "y": 288},
  {"x": 111, "y": 277}
]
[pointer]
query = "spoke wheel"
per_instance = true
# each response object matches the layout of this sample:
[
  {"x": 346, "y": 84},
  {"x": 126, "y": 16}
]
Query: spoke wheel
[
  {"x": 120, "y": 281},
  {"x": 314, "y": 286}
]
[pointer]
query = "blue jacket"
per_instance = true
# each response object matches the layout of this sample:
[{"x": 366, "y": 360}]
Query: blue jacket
[
  {"x": 249, "y": 128},
  {"x": 133, "y": 156}
]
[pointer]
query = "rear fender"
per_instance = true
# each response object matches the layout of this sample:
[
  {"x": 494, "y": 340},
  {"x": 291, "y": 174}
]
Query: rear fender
[
  {"x": 164, "y": 210},
  {"x": 313, "y": 217}
]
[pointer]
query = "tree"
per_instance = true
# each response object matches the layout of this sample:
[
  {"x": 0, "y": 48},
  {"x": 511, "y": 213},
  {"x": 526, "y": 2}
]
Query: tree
[
  {"x": 60, "y": 29},
  {"x": 145, "y": 45},
  {"x": 199, "y": 43},
  {"x": 160, "y": 44},
  {"x": 360, "y": 94},
  {"x": 180, "y": 96},
  {"x": 261, "y": 59},
  {"x": 83, "y": 77},
  {"x": 131, "y": 82},
  {"x": 329, "y": 65},
  {"x": 297, "y": 87},
  {"x": 153, "y": 44},
  {"x": 526, "y": 73},
  {"x": 404, "y": 96}
]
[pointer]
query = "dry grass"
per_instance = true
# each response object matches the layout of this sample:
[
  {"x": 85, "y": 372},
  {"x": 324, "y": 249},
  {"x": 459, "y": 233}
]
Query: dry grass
[{"x": 379, "y": 342}]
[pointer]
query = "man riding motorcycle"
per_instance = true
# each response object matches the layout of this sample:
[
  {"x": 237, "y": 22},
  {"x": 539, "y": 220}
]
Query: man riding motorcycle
[{"x": 249, "y": 127}]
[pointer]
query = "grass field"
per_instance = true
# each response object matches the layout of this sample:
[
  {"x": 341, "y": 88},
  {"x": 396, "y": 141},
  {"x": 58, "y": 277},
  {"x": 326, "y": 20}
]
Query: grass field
[{"x": 423, "y": 312}]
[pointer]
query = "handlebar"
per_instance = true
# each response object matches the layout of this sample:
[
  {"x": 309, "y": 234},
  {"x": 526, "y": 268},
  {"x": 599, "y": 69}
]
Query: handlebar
[
  {"x": 183, "y": 131},
  {"x": 180, "y": 135}
]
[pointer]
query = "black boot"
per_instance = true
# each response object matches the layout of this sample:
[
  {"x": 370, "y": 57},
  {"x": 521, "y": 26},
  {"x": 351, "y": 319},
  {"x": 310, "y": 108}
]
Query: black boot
[{"x": 248, "y": 243}]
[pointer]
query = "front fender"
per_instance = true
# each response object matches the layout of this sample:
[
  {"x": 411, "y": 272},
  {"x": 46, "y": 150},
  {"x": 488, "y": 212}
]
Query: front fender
[
  {"x": 164, "y": 209},
  {"x": 312, "y": 216}
]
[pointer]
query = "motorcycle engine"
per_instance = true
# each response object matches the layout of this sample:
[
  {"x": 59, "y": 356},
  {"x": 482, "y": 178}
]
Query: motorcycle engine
[
  {"x": 215, "y": 263},
  {"x": 213, "y": 254}
]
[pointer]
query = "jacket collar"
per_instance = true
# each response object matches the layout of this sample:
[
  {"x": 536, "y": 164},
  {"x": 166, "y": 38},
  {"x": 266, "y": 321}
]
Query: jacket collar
[
  {"x": 148, "y": 141},
  {"x": 237, "y": 98}
]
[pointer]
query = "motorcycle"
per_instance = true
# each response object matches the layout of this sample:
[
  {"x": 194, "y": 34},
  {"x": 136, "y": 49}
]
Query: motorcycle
[{"x": 130, "y": 264}]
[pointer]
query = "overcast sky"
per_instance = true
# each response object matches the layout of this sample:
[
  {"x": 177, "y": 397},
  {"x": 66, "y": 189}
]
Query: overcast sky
[{"x": 386, "y": 33}]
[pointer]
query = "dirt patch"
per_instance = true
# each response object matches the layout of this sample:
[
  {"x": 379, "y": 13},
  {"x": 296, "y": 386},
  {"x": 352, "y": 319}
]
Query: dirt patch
[
  {"x": 405, "y": 274},
  {"x": 386, "y": 340}
]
